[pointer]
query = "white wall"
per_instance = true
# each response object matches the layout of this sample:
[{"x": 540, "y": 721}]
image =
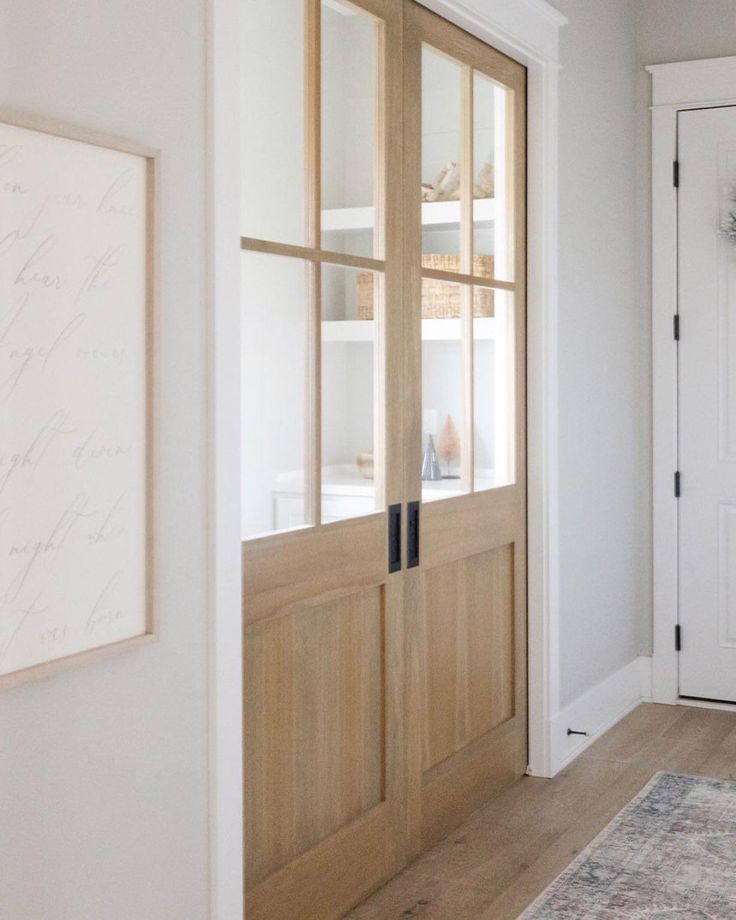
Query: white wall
[
  {"x": 605, "y": 326},
  {"x": 103, "y": 770},
  {"x": 605, "y": 502}
]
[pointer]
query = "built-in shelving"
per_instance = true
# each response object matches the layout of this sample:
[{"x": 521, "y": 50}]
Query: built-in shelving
[
  {"x": 433, "y": 330},
  {"x": 436, "y": 214},
  {"x": 346, "y": 480}
]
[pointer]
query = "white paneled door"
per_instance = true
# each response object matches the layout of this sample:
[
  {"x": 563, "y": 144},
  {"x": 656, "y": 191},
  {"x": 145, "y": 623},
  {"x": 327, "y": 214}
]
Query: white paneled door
[{"x": 707, "y": 402}]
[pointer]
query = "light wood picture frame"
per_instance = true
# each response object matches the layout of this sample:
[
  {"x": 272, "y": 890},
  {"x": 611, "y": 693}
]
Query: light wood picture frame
[{"x": 78, "y": 307}]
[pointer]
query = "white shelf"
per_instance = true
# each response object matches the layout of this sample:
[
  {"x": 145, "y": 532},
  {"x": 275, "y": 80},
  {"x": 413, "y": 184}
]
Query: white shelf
[
  {"x": 450, "y": 488},
  {"x": 450, "y": 330},
  {"x": 434, "y": 214},
  {"x": 340, "y": 479},
  {"x": 433, "y": 330},
  {"x": 345, "y": 479}
]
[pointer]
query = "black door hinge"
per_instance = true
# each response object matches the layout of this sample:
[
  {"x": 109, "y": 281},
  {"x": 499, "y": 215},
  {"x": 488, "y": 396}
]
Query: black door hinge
[
  {"x": 678, "y": 489},
  {"x": 678, "y": 638},
  {"x": 676, "y": 325},
  {"x": 676, "y": 174}
]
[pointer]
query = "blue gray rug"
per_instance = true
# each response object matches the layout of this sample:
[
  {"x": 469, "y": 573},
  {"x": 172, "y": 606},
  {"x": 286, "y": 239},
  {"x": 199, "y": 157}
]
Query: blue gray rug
[{"x": 669, "y": 855}]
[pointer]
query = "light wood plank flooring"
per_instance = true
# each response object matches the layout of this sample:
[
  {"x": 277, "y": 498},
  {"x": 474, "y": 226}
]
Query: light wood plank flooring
[{"x": 492, "y": 866}]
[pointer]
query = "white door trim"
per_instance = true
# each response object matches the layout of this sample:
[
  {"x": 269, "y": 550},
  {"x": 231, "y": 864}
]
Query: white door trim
[
  {"x": 675, "y": 87},
  {"x": 225, "y": 660},
  {"x": 526, "y": 30}
]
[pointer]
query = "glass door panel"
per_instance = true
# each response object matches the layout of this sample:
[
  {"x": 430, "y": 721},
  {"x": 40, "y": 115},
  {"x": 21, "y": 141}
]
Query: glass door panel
[
  {"x": 352, "y": 469},
  {"x": 467, "y": 329},
  {"x": 484, "y": 173},
  {"x": 315, "y": 156},
  {"x": 351, "y": 56},
  {"x": 492, "y": 176},
  {"x": 441, "y": 160},
  {"x": 494, "y": 407},
  {"x": 275, "y": 293},
  {"x": 444, "y": 384},
  {"x": 273, "y": 196}
]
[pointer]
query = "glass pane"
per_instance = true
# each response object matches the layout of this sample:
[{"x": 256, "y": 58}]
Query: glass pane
[
  {"x": 442, "y": 391},
  {"x": 272, "y": 132},
  {"x": 494, "y": 409},
  {"x": 274, "y": 373},
  {"x": 349, "y": 102},
  {"x": 350, "y": 469},
  {"x": 492, "y": 228},
  {"x": 441, "y": 147}
]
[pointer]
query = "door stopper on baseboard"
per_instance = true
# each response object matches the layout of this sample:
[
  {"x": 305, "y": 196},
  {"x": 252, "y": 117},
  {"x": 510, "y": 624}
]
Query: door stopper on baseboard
[{"x": 571, "y": 731}]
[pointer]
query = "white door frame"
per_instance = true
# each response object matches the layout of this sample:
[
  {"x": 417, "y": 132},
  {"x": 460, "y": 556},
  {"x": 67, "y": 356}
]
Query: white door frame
[
  {"x": 675, "y": 88},
  {"x": 225, "y": 660},
  {"x": 528, "y": 31}
]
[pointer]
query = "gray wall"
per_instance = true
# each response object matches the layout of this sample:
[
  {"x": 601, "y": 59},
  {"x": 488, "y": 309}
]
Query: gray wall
[
  {"x": 669, "y": 30},
  {"x": 605, "y": 503},
  {"x": 103, "y": 770},
  {"x": 685, "y": 30},
  {"x": 605, "y": 326}
]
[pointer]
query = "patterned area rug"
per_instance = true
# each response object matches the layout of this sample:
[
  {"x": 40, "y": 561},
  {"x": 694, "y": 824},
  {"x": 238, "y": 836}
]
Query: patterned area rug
[{"x": 669, "y": 855}]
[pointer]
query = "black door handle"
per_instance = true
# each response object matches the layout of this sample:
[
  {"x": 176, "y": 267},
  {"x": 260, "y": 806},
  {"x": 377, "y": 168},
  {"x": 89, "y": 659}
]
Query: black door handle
[
  {"x": 412, "y": 535},
  {"x": 394, "y": 538}
]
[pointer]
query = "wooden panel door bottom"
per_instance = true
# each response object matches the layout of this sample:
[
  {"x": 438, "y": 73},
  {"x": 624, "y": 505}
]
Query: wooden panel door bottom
[
  {"x": 315, "y": 693},
  {"x": 324, "y": 819},
  {"x": 473, "y": 742}
]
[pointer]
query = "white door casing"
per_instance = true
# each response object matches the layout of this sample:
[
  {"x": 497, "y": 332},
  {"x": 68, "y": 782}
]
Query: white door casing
[{"x": 707, "y": 404}]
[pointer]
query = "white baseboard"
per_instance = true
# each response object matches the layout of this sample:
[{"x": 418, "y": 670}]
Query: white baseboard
[
  {"x": 597, "y": 710},
  {"x": 706, "y": 704}
]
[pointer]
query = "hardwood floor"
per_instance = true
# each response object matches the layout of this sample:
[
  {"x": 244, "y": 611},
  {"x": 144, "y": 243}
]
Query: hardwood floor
[{"x": 496, "y": 863}]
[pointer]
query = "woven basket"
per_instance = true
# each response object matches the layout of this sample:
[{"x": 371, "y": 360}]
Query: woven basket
[{"x": 440, "y": 299}]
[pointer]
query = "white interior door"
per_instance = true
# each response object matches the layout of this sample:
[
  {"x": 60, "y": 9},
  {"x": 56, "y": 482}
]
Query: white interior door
[{"x": 707, "y": 403}]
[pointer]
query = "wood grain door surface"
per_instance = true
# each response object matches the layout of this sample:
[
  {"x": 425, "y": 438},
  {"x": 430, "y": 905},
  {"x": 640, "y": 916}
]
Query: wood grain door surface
[
  {"x": 382, "y": 707},
  {"x": 465, "y": 604}
]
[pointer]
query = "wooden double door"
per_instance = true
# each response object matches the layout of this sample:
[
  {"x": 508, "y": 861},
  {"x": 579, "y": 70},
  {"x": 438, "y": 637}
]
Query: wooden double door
[{"x": 384, "y": 486}]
